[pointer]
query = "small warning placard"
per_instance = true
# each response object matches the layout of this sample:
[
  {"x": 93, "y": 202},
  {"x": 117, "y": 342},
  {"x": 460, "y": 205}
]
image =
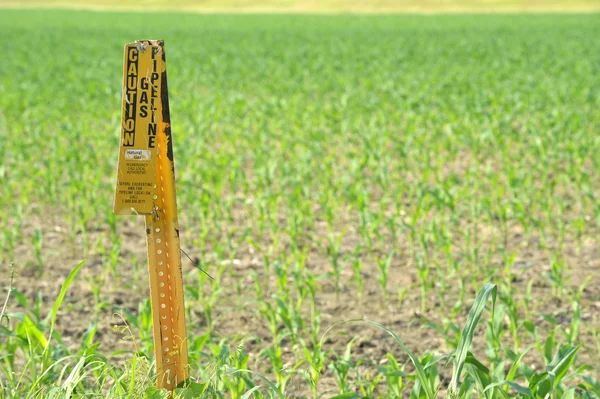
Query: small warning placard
[{"x": 141, "y": 120}]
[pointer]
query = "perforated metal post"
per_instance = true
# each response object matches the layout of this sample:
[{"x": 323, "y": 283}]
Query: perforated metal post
[
  {"x": 146, "y": 186},
  {"x": 166, "y": 285}
]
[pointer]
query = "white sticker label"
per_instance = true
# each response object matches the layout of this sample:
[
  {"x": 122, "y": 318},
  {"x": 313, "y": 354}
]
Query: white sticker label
[{"x": 137, "y": 155}]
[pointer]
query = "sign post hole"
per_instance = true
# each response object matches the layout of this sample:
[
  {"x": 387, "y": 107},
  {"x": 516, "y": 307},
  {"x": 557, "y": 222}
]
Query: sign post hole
[{"x": 146, "y": 186}]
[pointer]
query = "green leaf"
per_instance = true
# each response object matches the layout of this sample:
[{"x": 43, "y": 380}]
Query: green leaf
[
  {"x": 529, "y": 326},
  {"x": 544, "y": 387},
  {"x": 197, "y": 388},
  {"x": 153, "y": 393},
  {"x": 579, "y": 371},
  {"x": 28, "y": 331},
  {"x": 421, "y": 376},
  {"x": 466, "y": 338},
  {"x": 273, "y": 387},
  {"x": 471, "y": 360},
  {"x": 397, "y": 373},
  {"x": 562, "y": 362},
  {"x": 347, "y": 395},
  {"x": 484, "y": 383},
  {"x": 53, "y": 393},
  {"x": 88, "y": 336},
  {"x": 541, "y": 384},
  {"x": 183, "y": 393},
  {"x": 61, "y": 296},
  {"x": 435, "y": 360},
  {"x": 522, "y": 390},
  {"x": 515, "y": 366},
  {"x": 549, "y": 346},
  {"x": 74, "y": 378},
  {"x": 249, "y": 393},
  {"x": 467, "y": 387}
]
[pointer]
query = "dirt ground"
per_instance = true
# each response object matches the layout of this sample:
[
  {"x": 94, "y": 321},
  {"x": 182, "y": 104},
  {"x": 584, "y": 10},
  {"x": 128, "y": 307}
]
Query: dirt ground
[{"x": 125, "y": 291}]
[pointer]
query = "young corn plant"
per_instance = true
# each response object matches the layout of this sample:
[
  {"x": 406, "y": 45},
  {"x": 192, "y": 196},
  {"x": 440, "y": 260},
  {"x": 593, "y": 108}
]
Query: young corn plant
[
  {"x": 384, "y": 271},
  {"x": 471, "y": 378}
]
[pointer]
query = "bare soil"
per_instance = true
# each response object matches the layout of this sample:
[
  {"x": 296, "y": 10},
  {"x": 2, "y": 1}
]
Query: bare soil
[{"x": 401, "y": 313}]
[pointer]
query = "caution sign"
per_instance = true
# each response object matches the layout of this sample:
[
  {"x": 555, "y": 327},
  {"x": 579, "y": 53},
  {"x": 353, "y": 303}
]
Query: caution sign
[
  {"x": 146, "y": 186},
  {"x": 143, "y": 68}
]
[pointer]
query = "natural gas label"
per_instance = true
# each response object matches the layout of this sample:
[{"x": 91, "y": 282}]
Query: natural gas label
[
  {"x": 141, "y": 119},
  {"x": 137, "y": 155}
]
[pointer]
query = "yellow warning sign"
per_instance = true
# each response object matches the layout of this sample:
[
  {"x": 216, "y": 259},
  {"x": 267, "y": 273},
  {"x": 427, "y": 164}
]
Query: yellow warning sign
[
  {"x": 146, "y": 185},
  {"x": 141, "y": 115}
]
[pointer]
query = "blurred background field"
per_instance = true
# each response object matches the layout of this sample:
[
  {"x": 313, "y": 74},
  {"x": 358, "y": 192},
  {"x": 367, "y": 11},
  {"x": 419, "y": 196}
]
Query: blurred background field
[
  {"x": 320, "y": 6},
  {"x": 328, "y": 167}
]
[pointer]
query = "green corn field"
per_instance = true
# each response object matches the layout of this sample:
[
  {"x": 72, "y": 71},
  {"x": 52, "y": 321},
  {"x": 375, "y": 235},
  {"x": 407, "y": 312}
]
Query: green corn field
[{"x": 389, "y": 205}]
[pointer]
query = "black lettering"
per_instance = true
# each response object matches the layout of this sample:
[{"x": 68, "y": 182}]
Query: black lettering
[
  {"x": 132, "y": 55},
  {"x": 143, "y": 110},
  {"x": 131, "y": 82},
  {"x": 129, "y": 125},
  {"x": 130, "y": 106},
  {"x": 132, "y": 70},
  {"x": 130, "y": 103},
  {"x": 128, "y": 139}
]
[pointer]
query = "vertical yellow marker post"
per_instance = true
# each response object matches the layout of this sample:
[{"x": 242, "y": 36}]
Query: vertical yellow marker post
[{"x": 146, "y": 186}]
